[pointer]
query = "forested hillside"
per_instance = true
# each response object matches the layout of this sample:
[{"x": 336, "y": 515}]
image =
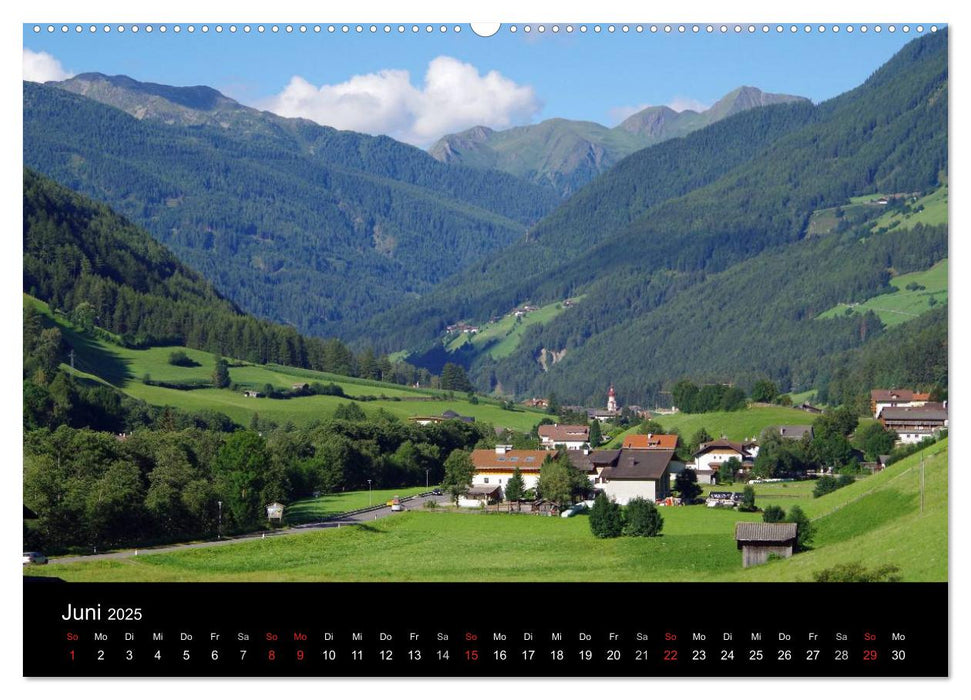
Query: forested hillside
[
  {"x": 84, "y": 259},
  {"x": 294, "y": 222},
  {"x": 739, "y": 313}
]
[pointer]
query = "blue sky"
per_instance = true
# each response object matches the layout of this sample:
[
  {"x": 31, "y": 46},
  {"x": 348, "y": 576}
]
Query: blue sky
[{"x": 504, "y": 80}]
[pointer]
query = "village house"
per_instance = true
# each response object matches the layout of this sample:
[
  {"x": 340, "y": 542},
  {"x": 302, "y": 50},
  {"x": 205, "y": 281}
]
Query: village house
[
  {"x": 495, "y": 467},
  {"x": 760, "y": 540},
  {"x": 637, "y": 473},
  {"x": 895, "y": 398},
  {"x": 572, "y": 437},
  {"x": 913, "y": 424},
  {"x": 711, "y": 455},
  {"x": 651, "y": 441},
  {"x": 251, "y": 394}
]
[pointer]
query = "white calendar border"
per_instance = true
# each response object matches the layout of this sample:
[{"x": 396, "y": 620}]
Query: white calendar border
[{"x": 510, "y": 11}]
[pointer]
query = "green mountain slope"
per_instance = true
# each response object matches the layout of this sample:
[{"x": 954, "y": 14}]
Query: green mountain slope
[
  {"x": 80, "y": 254},
  {"x": 565, "y": 154},
  {"x": 878, "y": 521},
  {"x": 294, "y": 222},
  {"x": 888, "y": 135}
]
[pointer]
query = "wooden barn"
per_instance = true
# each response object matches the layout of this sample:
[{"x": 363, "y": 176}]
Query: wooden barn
[{"x": 758, "y": 540}]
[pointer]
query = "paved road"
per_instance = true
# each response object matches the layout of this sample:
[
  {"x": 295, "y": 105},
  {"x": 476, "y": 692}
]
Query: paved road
[{"x": 412, "y": 504}]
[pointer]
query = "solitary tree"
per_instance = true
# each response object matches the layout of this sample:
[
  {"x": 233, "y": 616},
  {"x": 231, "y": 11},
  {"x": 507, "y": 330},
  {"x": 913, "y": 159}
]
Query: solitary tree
[
  {"x": 701, "y": 436},
  {"x": 748, "y": 500},
  {"x": 804, "y": 528},
  {"x": 642, "y": 519},
  {"x": 728, "y": 470},
  {"x": 220, "y": 374},
  {"x": 459, "y": 471},
  {"x": 596, "y": 437},
  {"x": 773, "y": 514},
  {"x": 515, "y": 487},
  {"x": 455, "y": 379},
  {"x": 606, "y": 519},
  {"x": 555, "y": 481},
  {"x": 686, "y": 483}
]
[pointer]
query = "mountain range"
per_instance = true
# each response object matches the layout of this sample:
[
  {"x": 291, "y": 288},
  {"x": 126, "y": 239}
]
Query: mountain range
[
  {"x": 689, "y": 258},
  {"x": 667, "y": 219},
  {"x": 566, "y": 154},
  {"x": 297, "y": 223}
]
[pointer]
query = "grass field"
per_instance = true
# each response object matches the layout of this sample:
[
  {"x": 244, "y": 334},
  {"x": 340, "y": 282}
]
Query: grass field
[
  {"x": 934, "y": 212},
  {"x": 124, "y": 368},
  {"x": 502, "y": 337},
  {"x": 902, "y": 304},
  {"x": 823, "y": 221},
  {"x": 875, "y": 521},
  {"x": 736, "y": 425}
]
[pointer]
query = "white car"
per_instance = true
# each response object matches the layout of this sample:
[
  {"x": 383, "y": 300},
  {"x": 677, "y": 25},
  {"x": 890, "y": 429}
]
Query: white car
[{"x": 34, "y": 558}]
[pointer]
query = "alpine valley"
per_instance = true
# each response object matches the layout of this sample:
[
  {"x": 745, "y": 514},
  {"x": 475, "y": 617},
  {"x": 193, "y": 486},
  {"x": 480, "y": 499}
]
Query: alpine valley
[{"x": 765, "y": 238}]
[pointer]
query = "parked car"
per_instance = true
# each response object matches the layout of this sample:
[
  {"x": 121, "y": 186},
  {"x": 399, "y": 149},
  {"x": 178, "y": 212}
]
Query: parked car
[
  {"x": 34, "y": 558},
  {"x": 436, "y": 492}
]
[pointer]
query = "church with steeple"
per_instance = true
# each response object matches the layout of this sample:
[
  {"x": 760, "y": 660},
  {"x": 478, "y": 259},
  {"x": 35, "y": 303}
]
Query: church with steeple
[{"x": 611, "y": 399}]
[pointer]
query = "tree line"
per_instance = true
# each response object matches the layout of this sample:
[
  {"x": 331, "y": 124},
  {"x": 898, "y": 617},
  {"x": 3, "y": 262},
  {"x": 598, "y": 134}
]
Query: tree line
[{"x": 96, "y": 489}]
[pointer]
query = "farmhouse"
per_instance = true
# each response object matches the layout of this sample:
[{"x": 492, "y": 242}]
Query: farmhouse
[
  {"x": 496, "y": 467},
  {"x": 573, "y": 437},
  {"x": 895, "y": 398},
  {"x": 637, "y": 473},
  {"x": 914, "y": 424},
  {"x": 250, "y": 394},
  {"x": 711, "y": 455},
  {"x": 758, "y": 540}
]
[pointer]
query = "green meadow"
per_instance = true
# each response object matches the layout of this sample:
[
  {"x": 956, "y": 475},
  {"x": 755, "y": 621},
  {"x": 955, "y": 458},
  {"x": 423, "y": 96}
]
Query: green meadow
[
  {"x": 933, "y": 212},
  {"x": 735, "y": 425},
  {"x": 928, "y": 288},
  {"x": 126, "y": 368},
  {"x": 875, "y": 521},
  {"x": 501, "y": 338}
]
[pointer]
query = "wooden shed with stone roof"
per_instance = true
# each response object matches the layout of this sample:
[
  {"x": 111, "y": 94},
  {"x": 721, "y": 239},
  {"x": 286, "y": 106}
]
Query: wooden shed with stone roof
[{"x": 760, "y": 540}]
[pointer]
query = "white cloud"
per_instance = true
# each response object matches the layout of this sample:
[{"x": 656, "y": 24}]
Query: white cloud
[
  {"x": 453, "y": 97},
  {"x": 39, "y": 67}
]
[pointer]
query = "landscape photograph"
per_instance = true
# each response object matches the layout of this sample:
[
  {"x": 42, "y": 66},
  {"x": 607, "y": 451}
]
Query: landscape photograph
[{"x": 468, "y": 303}]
